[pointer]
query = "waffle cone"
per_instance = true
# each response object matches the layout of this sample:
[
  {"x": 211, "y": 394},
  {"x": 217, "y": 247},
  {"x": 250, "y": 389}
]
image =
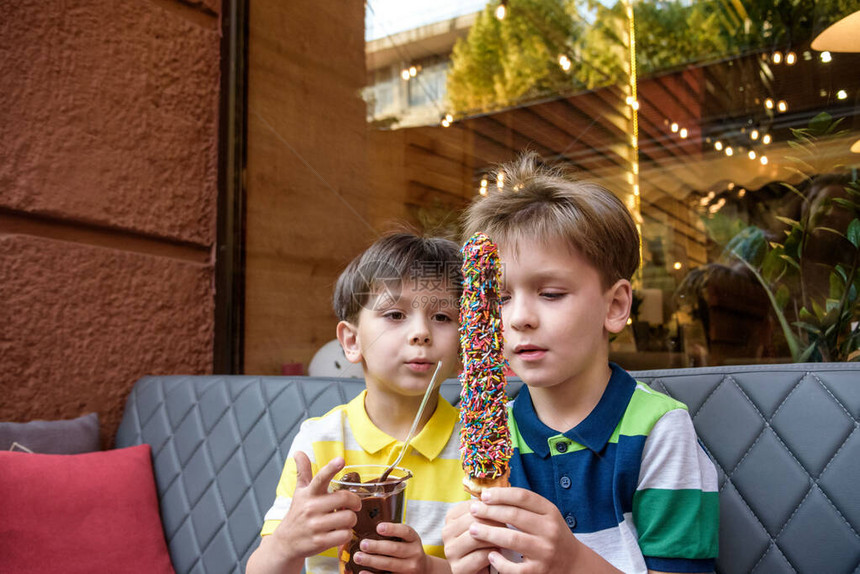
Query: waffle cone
[{"x": 475, "y": 486}]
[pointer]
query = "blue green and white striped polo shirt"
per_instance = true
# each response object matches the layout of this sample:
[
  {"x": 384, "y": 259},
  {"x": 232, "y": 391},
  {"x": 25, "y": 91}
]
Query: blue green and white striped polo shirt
[{"x": 631, "y": 480}]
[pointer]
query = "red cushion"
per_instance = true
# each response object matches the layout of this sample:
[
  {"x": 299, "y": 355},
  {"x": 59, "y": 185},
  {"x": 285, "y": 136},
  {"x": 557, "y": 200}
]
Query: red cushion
[{"x": 94, "y": 512}]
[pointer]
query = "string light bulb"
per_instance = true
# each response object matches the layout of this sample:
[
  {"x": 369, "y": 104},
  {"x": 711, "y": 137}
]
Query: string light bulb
[
  {"x": 790, "y": 58},
  {"x": 777, "y": 57},
  {"x": 766, "y": 139},
  {"x": 502, "y": 10},
  {"x": 729, "y": 151},
  {"x": 841, "y": 94},
  {"x": 768, "y": 103},
  {"x": 763, "y": 160},
  {"x": 751, "y": 154},
  {"x": 683, "y": 133},
  {"x": 782, "y": 106},
  {"x": 405, "y": 74},
  {"x": 754, "y": 135},
  {"x": 826, "y": 57},
  {"x": 718, "y": 145},
  {"x": 564, "y": 62},
  {"x": 674, "y": 127}
]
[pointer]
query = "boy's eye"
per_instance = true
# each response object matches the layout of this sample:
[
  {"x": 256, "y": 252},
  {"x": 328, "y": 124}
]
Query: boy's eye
[
  {"x": 504, "y": 299},
  {"x": 551, "y": 295},
  {"x": 395, "y": 315},
  {"x": 442, "y": 318}
]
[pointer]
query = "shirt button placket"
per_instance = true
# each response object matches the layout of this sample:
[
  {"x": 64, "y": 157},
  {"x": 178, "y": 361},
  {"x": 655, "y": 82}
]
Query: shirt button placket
[
  {"x": 561, "y": 447},
  {"x": 570, "y": 519},
  {"x": 564, "y": 481}
]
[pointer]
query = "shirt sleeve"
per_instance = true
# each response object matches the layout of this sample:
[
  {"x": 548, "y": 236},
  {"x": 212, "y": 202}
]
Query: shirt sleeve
[
  {"x": 287, "y": 483},
  {"x": 676, "y": 504}
]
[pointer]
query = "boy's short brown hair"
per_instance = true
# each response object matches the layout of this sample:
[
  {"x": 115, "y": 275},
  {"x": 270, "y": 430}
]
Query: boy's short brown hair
[
  {"x": 391, "y": 261},
  {"x": 543, "y": 203}
]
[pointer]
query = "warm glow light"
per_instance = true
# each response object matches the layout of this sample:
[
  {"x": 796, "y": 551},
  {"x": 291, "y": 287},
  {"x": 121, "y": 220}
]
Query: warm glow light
[
  {"x": 777, "y": 57},
  {"x": 742, "y": 192},
  {"x": 841, "y": 94},
  {"x": 404, "y": 74},
  {"x": 766, "y": 139},
  {"x": 483, "y": 191},
  {"x": 635, "y": 105},
  {"x": 763, "y": 160},
  {"x": 754, "y": 135},
  {"x": 564, "y": 62},
  {"x": 677, "y": 265},
  {"x": 826, "y": 57},
  {"x": 413, "y": 71},
  {"x": 630, "y": 177},
  {"x": 501, "y": 11},
  {"x": 629, "y": 320},
  {"x": 674, "y": 127},
  {"x": 768, "y": 103},
  {"x": 484, "y": 182},
  {"x": 782, "y": 106},
  {"x": 751, "y": 154},
  {"x": 446, "y": 122},
  {"x": 636, "y": 189},
  {"x": 500, "y": 180},
  {"x": 790, "y": 58},
  {"x": 730, "y": 186},
  {"x": 635, "y": 167},
  {"x": 683, "y": 133},
  {"x": 718, "y": 145},
  {"x": 729, "y": 151}
]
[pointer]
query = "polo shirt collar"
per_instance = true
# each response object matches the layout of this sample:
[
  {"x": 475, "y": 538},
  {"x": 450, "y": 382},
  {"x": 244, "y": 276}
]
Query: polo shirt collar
[
  {"x": 429, "y": 442},
  {"x": 593, "y": 432}
]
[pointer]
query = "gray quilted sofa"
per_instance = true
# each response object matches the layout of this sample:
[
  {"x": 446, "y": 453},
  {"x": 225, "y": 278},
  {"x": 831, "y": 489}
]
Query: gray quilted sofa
[{"x": 785, "y": 439}]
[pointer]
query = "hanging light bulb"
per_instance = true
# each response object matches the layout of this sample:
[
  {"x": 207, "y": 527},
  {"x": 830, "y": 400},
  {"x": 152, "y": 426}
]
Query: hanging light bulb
[
  {"x": 777, "y": 57},
  {"x": 564, "y": 62},
  {"x": 729, "y": 151},
  {"x": 405, "y": 74},
  {"x": 683, "y": 133},
  {"x": 763, "y": 160},
  {"x": 718, "y": 145},
  {"x": 674, "y": 127},
  {"x": 751, "y": 154},
  {"x": 766, "y": 139},
  {"x": 413, "y": 71},
  {"x": 841, "y": 94},
  {"x": 502, "y": 10},
  {"x": 790, "y": 58},
  {"x": 826, "y": 57},
  {"x": 768, "y": 103},
  {"x": 754, "y": 135},
  {"x": 782, "y": 106}
]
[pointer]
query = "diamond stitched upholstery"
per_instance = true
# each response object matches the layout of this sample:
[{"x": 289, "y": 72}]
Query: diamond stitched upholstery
[{"x": 785, "y": 440}]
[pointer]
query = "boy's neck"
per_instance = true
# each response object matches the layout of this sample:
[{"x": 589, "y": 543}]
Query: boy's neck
[
  {"x": 394, "y": 414},
  {"x": 565, "y": 405}
]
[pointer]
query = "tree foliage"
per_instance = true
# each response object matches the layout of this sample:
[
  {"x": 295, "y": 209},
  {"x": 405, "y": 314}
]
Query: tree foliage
[{"x": 501, "y": 63}]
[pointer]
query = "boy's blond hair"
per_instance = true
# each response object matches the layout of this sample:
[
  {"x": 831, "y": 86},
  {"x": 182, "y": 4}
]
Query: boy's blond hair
[{"x": 543, "y": 203}]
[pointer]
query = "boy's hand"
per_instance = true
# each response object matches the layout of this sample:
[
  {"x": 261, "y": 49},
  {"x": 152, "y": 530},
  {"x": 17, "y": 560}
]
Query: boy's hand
[
  {"x": 539, "y": 532},
  {"x": 406, "y": 555},
  {"x": 317, "y": 519},
  {"x": 465, "y": 553}
]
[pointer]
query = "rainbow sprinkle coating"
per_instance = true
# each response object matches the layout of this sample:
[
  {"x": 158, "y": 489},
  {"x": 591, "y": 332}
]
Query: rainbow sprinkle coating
[{"x": 485, "y": 441}]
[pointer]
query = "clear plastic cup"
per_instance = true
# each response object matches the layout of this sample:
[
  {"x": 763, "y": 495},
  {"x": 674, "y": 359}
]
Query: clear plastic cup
[{"x": 380, "y": 502}]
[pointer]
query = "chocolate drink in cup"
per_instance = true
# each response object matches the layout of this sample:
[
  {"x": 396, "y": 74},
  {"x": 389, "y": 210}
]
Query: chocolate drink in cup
[{"x": 380, "y": 502}]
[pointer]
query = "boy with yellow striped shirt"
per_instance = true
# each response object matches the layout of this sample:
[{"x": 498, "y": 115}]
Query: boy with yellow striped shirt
[{"x": 398, "y": 306}]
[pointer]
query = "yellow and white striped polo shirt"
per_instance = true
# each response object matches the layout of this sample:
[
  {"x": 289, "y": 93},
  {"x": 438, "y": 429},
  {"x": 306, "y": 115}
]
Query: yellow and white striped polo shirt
[{"x": 347, "y": 431}]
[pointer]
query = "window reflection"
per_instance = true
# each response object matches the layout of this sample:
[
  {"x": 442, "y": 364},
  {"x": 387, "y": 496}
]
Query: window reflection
[{"x": 711, "y": 134}]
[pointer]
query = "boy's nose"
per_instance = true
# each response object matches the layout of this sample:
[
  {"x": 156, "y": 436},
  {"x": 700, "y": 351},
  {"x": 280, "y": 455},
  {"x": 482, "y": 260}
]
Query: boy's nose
[
  {"x": 420, "y": 333},
  {"x": 518, "y": 315}
]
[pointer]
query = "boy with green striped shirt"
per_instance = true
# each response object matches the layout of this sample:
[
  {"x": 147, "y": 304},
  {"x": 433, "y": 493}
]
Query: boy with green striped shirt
[
  {"x": 607, "y": 474},
  {"x": 398, "y": 306}
]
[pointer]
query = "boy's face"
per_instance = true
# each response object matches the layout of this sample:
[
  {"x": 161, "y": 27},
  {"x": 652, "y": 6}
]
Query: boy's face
[
  {"x": 556, "y": 314},
  {"x": 400, "y": 336}
]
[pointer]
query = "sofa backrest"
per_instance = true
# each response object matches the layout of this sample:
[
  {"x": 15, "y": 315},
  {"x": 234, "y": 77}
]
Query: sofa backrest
[{"x": 785, "y": 440}]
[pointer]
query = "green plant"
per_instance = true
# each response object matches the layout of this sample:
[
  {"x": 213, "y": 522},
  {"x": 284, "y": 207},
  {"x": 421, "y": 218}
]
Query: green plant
[{"x": 811, "y": 276}]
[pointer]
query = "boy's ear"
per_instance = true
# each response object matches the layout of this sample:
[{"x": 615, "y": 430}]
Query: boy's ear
[
  {"x": 619, "y": 299},
  {"x": 347, "y": 335}
]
